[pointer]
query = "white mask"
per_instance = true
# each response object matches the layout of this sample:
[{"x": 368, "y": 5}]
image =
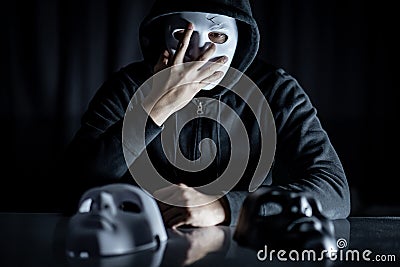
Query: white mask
[
  {"x": 114, "y": 219},
  {"x": 207, "y": 28}
]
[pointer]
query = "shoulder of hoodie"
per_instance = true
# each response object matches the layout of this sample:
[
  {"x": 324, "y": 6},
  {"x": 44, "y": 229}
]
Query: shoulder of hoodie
[
  {"x": 135, "y": 73},
  {"x": 275, "y": 82},
  {"x": 262, "y": 72}
]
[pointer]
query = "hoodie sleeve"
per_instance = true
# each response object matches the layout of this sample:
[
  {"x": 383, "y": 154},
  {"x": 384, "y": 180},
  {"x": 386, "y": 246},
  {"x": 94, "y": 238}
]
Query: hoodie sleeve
[
  {"x": 95, "y": 154},
  {"x": 305, "y": 159},
  {"x": 305, "y": 151}
]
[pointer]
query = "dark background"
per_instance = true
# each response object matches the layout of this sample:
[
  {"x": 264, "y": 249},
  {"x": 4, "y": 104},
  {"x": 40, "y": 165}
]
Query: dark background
[{"x": 55, "y": 55}]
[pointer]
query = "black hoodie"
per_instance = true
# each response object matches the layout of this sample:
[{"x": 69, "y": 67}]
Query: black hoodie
[{"x": 305, "y": 159}]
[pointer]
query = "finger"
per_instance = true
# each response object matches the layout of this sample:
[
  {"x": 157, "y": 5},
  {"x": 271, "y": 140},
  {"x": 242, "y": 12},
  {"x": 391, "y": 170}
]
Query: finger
[
  {"x": 212, "y": 78},
  {"x": 207, "y": 53},
  {"x": 201, "y": 60},
  {"x": 162, "y": 62},
  {"x": 174, "y": 224},
  {"x": 178, "y": 232},
  {"x": 183, "y": 45},
  {"x": 164, "y": 207},
  {"x": 178, "y": 218},
  {"x": 210, "y": 68},
  {"x": 172, "y": 200},
  {"x": 174, "y": 212},
  {"x": 166, "y": 192},
  {"x": 177, "y": 199}
]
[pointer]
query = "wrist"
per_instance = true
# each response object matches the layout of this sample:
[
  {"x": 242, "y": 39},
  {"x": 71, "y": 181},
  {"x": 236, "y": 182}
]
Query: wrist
[
  {"x": 227, "y": 211},
  {"x": 153, "y": 113}
]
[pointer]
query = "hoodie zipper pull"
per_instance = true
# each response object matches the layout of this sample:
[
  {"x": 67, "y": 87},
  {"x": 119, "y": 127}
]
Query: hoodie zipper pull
[{"x": 200, "y": 108}]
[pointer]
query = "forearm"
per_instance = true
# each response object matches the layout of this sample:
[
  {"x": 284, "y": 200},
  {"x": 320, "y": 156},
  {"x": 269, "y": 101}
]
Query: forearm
[
  {"x": 329, "y": 187},
  {"x": 96, "y": 156},
  {"x": 331, "y": 192},
  {"x": 312, "y": 165},
  {"x": 105, "y": 156},
  {"x": 305, "y": 154}
]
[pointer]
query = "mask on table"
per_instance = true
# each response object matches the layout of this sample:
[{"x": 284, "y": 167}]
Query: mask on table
[
  {"x": 284, "y": 220},
  {"x": 113, "y": 220}
]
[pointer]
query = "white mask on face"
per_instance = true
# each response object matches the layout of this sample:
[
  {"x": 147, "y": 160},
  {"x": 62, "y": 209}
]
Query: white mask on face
[{"x": 207, "y": 28}]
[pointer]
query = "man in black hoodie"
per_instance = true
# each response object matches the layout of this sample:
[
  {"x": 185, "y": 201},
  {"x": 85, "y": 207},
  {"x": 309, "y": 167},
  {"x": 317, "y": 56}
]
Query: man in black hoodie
[{"x": 189, "y": 47}]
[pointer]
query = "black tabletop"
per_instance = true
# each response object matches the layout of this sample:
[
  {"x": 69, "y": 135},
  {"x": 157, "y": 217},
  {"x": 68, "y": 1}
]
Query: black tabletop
[{"x": 38, "y": 239}]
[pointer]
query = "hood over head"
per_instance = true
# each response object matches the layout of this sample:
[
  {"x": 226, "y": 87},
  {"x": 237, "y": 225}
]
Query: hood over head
[{"x": 249, "y": 37}]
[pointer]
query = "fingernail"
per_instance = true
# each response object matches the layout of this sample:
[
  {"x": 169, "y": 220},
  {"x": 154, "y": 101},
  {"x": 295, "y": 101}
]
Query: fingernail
[
  {"x": 224, "y": 59},
  {"x": 190, "y": 26}
]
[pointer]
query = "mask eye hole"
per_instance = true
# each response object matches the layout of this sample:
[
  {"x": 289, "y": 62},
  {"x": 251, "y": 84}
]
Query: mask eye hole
[
  {"x": 217, "y": 37},
  {"x": 269, "y": 209},
  {"x": 129, "y": 206},
  {"x": 178, "y": 34}
]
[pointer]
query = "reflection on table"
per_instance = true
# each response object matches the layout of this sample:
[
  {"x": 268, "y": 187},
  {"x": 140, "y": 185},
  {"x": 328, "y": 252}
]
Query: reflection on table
[{"x": 38, "y": 240}]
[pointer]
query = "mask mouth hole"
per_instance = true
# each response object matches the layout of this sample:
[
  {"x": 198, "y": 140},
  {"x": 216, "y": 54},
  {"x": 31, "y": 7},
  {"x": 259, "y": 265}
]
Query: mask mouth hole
[{"x": 129, "y": 206}]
